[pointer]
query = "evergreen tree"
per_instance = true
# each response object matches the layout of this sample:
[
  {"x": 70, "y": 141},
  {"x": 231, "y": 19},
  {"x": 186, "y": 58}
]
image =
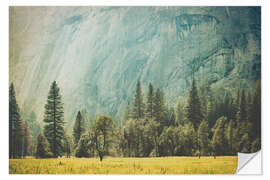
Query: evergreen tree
[
  {"x": 43, "y": 148},
  {"x": 235, "y": 106},
  {"x": 126, "y": 114},
  {"x": 172, "y": 118},
  {"x": 159, "y": 110},
  {"x": 138, "y": 104},
  {"x": 150, "y": 103},
  {"x": 15, "y": 126},
  {"x": 242, "y": 112},
  {"x": 54, "y": 120},
  {"x": 210, "y": 116},
  {"x": 179, "y": 112},
  {"x": 204, "y": 99},
  {"x": 193, "y": 109},
  {"x": 226, "y": 106},
  {"x": 78, "y": 128}
]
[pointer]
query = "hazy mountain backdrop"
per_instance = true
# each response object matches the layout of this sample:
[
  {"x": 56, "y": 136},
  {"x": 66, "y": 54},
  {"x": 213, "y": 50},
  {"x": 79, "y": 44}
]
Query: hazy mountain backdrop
[{"x": 97, "y": 54}]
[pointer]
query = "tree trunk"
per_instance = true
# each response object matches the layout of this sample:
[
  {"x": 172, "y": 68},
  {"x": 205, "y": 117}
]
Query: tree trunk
[{"x": 100, "y": 156}]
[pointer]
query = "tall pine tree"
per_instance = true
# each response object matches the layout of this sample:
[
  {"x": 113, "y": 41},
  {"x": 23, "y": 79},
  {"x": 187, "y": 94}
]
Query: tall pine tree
[
  {"x": 54, "y": 120},
  {"x": 193, "y": 110},
  {"x": 138, "y": 105},
  {"x": 150, "y": 99},
  {"x": 15, "y": 126},
  {"x": 126, "y": 114},
  {"x": 159, "y": 110},
  {"x": 179, "y": 112},
  {"x": 78, "y": 128}
]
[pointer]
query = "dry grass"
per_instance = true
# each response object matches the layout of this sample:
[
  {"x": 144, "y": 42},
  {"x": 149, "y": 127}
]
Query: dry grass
[{"x": 164, "y": 165}]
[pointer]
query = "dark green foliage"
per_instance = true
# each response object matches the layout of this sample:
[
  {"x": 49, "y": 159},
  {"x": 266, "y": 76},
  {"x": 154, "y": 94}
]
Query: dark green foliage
[
  {"x": 179, "y": 112},
  {"x": 159, "y": 110},
  {"x": 210, "y": 114},
  {"x": 54, "y": 120},
  {"x": 169, "y": 140},
  {"x": 15, "y": 126},
  {"x": 166, "y": 133},
  {"x": 132, "y": 136},
  {"x": 153, "y": 133},
  {"x": 129, "y": 138},
  {"x": 235, "y": 108},
  {"x": 193, "y": 109},
  {"x": 205, "y": 125},
  {"x": 43, "y": 148},
  {"x": 146, "y": 142},
  {"x": 150, "y": 103},
  {"x": 171, "y": 118},
  {"x": 138, "y": 104},
  {"x": 242, "y": 111},
  {"x": 78, "y": 128}
]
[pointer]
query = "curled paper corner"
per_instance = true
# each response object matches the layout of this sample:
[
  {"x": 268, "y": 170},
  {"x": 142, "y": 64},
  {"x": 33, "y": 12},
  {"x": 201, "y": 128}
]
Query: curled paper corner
[{"x": 249, "y": 163}]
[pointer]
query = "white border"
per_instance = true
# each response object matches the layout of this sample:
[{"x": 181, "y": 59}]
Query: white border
[{"x": 4, "y": 75}]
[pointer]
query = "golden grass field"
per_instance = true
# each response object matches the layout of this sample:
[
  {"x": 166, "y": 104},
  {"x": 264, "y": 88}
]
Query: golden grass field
[{"x": 110, "y": 165}]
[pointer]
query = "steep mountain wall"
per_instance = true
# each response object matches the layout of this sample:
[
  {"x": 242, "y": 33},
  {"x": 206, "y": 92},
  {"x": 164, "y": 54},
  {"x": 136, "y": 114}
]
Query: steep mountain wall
[{"x": 97, "y": 54}]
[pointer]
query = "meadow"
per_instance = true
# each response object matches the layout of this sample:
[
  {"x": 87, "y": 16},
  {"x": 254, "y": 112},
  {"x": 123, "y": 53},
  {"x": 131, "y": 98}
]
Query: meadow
[{"x": 110, "y": 165}]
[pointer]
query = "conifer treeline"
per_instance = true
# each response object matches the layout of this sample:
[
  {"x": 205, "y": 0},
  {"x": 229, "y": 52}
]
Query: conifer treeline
[{"x": 201, "y": 124}]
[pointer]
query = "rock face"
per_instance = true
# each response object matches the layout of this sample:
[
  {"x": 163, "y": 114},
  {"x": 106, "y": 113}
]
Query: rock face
[{"x": 97, "y": 54}]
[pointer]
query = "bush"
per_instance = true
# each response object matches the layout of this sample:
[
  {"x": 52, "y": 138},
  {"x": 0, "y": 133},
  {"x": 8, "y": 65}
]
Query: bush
[{"x": 43, "y": 149}]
